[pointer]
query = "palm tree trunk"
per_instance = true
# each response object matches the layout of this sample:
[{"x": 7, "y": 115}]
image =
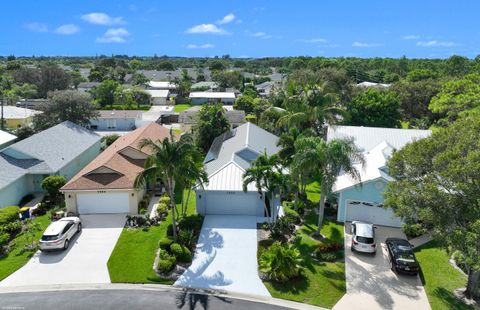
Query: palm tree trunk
[
  {"x": 321, "y": 207},
  {"x": 473, "y": 284},
  {"x": 188, "y": 198},
  {"x": 171, "y": 186}
]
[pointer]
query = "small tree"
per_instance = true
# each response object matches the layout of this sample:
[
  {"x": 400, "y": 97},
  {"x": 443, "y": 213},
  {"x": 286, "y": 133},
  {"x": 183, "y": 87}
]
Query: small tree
[
  {"x": 211, "y": 123},
  {"x": 281, "y": 262},
  {"x": 52, "y": 184},
  {"x": 31, "y": 231}
]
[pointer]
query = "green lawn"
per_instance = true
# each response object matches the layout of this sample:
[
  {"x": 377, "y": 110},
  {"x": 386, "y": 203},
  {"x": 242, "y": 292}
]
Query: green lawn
[
  {"x": 125, "y": 107},
  {"x": 181, "y": 107},
  {"x": 132, "y": 258},
  {"x": 439, "y": 277},
  {"x": 17, "y": 257},
  {"x": 323, "y": 283}
]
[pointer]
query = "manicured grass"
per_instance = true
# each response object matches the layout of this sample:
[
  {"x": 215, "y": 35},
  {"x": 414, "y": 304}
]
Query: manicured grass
[
  {"x": 439, "y": 277},
  {"x": 125, "y": 107},
  {"x": 133, "y": 256},
  {"x": 17, "y": 257},
  {"x": 181, "y": 107},
  {"x": 313, "y": 192}
]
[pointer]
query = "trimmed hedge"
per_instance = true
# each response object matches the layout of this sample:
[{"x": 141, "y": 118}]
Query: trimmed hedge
[
  {"x": 9, "y": 214},
  {"x": 181, "y": 252},
  {"x": 165, "y": 243},
  {"x": 166, "y": 263}
]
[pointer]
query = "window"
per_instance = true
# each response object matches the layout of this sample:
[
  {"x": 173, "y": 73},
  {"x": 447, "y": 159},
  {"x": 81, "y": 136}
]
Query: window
[
  {"x": 111, "y": 123},
  {"x": 67, "y": 227}
]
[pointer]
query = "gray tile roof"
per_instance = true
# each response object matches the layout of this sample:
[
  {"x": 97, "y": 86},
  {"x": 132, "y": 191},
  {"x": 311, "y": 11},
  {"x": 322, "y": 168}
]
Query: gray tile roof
[{"x": 45, "y": 152}]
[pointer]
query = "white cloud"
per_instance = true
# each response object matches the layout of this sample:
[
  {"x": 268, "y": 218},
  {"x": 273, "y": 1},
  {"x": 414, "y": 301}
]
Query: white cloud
[
  {"x": 264, "y": 35},
  {"x": 258, "y": 34},
  {"x": 363, "y": 44},
  {"x": 203, "y": 46},
  {"x": 114, "y": 35},
  {"x": 206, "y": 28},
  {"x": 433, "y": 43},
  {"x": 411, "y": 37},
  {"x": 36, "y": 27},
  {"x": 315, "y": 40},
  {"x": 67, "y": 29},
  {"x": 102, "y": 19},
  {"x": 226, "y": 19}
]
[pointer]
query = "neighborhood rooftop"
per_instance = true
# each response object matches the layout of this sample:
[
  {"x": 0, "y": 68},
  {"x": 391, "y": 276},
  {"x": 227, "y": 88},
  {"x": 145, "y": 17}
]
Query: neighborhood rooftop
[
  {"x": 6, "y": 137},
  {"x": 120, "y": 114},
  {"x": 366, "y": 138},
  {"x": 213, "y": 95},
  {"x": 45, "y": 152},
  {"x": 12, "y": 112}
]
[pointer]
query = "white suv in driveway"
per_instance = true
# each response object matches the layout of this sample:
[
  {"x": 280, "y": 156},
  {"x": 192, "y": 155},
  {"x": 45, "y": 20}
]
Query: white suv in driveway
[
  {"x": 58, "y": 234},
  {"x": 363, "y": 237}
]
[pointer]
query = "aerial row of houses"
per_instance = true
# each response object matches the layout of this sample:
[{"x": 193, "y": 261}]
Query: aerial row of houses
[{"x": 103, "y": 182}]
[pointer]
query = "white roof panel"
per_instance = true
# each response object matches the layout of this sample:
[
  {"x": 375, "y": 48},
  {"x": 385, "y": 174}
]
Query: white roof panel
[{"x": 216, "y": 95}]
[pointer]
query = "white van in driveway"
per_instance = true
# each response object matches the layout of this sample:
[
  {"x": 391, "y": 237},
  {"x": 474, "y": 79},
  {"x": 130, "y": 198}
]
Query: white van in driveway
[{"x": 363, "y": 237}]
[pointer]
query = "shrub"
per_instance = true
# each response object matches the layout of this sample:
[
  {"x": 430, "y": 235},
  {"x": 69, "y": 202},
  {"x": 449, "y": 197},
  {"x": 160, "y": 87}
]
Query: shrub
[
  {"x": 281, "y": 262},
  {"x": 25, "y": 199},
  {"x": 187, "y": 238},
  {"x": 192, "y": 222},
  {"x": 413, "y": 230},
  {"x": 165, "y": 243},
  {"x": 166, "y": 263},
  {"x": 4, "y": 238},
  {"x": 8, "y": 215},
  {"x": 12, "y": 228},
  {"x": 182, "y": 253},
  {"x": 292, "y": 216},
  {"x": 53, "y": 183},
  {"x": 162, "y": 209},
  {"x": 165, "y": 199},
  {"x": 282, "y": 229},
  {"x": 326, "y": 256},
  {"x": 329, "y": 247}
]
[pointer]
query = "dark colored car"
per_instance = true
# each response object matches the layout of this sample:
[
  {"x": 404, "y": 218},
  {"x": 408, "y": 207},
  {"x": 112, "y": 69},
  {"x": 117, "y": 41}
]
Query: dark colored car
[{"x": 402, "y": 258}]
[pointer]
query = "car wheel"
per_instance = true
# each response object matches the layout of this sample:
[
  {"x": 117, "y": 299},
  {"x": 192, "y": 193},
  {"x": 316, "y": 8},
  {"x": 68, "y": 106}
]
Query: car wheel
[
  {"x": 65, "y": 245},
  {"x": 392, "y": 266},
  {"x": 79, "y": 228}
]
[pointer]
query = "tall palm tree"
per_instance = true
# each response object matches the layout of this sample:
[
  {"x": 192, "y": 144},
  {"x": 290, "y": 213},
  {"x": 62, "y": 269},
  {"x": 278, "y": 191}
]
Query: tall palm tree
[
  {"x": 313, "y": 107},
  {"x": 170, "y": 160},
  {"x": 324, "y": 160},
  {"x": 264, "y": 173}
]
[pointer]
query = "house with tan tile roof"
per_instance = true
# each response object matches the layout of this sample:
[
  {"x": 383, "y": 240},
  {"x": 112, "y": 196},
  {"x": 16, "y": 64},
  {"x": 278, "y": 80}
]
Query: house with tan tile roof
[{"x": 106, "y": 185}]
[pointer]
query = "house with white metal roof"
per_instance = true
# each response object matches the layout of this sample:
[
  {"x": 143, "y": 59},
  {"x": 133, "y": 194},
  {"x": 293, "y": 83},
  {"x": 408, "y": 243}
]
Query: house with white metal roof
[
  {"x": 230, "y": 155},
  {"x": 161, "y": 85},
  {"x": 362, "y": 200},
  {"x": 6, "y": 139},
  {"x": 60, "y": 150},
  {"x": 212, "y": 97},
  {"x": 15, "y": 117},
  {"x": 159, "y": 96}
]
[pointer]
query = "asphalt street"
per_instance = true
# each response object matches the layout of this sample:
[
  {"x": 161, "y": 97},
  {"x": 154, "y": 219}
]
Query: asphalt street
[{"x": 124, "y": 299}]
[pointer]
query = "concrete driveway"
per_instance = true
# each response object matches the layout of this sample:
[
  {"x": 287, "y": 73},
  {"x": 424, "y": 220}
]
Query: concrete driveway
[
  {"x": 372, "y": 285},
  {"x": 226, "y": 256},
  {"x": 85, "y": 261}
]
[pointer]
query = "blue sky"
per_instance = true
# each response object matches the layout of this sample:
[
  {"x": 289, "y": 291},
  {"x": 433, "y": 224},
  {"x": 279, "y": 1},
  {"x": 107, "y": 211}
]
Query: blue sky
[{"x": 414, "y": 28}]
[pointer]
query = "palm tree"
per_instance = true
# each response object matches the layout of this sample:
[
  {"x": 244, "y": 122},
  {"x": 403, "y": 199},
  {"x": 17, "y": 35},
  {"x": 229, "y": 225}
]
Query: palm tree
[
  {"x": 324, "y": 160},
  {"x": 313, "y": 107},
  {"x": 263, "y": 172},
  {"x": 170, "y": 160},
  {"x": 190, "y": 177}
]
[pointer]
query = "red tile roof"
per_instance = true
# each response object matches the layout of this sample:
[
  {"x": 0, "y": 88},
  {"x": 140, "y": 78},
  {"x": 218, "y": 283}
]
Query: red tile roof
[{"x": 119, "y": 170}]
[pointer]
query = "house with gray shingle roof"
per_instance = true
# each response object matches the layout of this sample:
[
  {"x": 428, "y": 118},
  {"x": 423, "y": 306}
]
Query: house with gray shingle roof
[
  {"x": 230, "y": 155},
  {"x": 60, "y": 150}
]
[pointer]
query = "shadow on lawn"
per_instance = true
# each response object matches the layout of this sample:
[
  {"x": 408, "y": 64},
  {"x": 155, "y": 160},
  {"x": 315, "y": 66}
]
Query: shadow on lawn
[
  {"x": 450, "y": 301},
  {"x": 294, "y": 286}
]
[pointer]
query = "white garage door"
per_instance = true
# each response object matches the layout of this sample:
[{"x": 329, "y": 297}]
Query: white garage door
[
  {"x": 232, "y": 203},
  {"x": 371, "y": 213},
  {"x": 102, "y": 203}
]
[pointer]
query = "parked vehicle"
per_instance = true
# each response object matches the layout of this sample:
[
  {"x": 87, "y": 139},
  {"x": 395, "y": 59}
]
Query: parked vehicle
[
  {"x": 363, "y": 237},
  {"x": 402, "y": 258},
  {"x": 58, "y": 234}
]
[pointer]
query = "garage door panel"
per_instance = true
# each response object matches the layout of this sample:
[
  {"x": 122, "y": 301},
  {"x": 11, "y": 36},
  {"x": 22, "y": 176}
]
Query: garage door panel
[
  {"x": 93, "y": 203},
  {"x": 231, "y": 203},
  {"x": 371, "y": 213}
]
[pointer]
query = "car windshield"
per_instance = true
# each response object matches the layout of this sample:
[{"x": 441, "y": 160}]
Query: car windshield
[
  {"x": 365, "y": 240},
  {"x": 49, "y": 237}
]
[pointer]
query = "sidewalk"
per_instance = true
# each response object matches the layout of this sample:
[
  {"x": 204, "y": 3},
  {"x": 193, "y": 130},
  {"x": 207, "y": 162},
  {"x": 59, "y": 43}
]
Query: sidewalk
[{"x": 421, "y": 240}]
